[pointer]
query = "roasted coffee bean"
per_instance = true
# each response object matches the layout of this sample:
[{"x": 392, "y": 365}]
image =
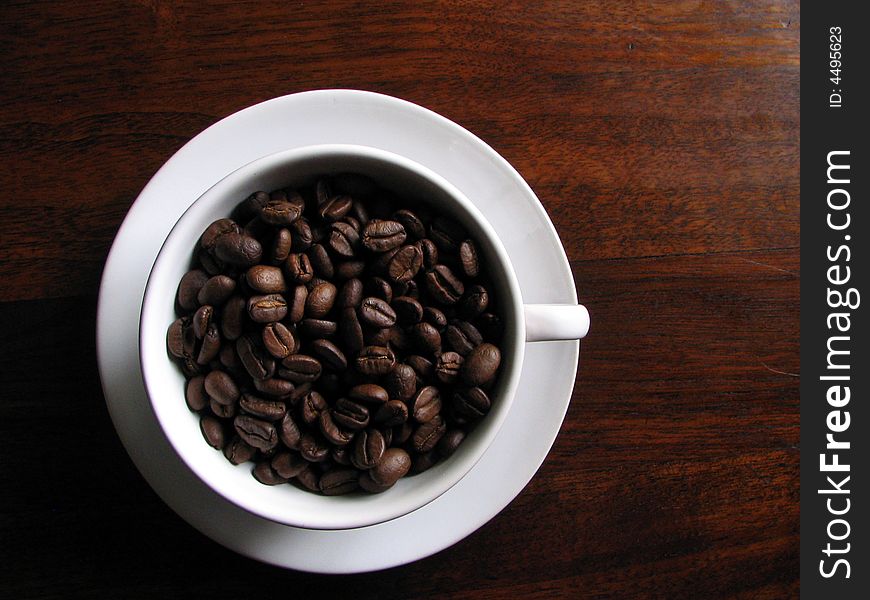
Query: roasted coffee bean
[
  {"x": 435, "y": 316},
  {"x": 216, "y": 290},
  {"x": 379, "y": 287},
  {"x": 212, "y": 431},
  {"x": 339, "y": 481},
  {"x": 471, "y": 403},
  {"x": 334, "y": 434},
  {"x": 323, "y": 191},
  {"x": 380, "y": 236},
  {"x": 238, "y": 249},
  {"x": 368, "y": 393},
  {"x": 401, "y": 382},
  {"x": 303, "y": 235},
  {"x": 428, "y": 253},
  {"x": 211, "y": 345},
  {"x": 414, "y": 227},
  {"x": 320, "y": 300},
  {"x": 368, "y": 448},
  {"x": 394, "y": 464},
  {"x": 447, "y": 367},
  {"x": 344, "y": 239},
  {"x": 447, "y": 234},
  {"x": 224, "y": 411},
  {"x": 238, "y": 451},
  {"x": 256, "y": 362},
  {"x": 221, "y": 388},
  {"x": 195, "y": 394},
  {"x": 275, "y": 387},
  {"x": 443, "y": 285},
  {"x": 282, "y": 242},
  {"x": 317, "y": 328},
  {"x": 280, "y": 212},
  {"x": 335, "y": 208},
  {"x": 377, "y": 313},
  {"x": 209, "y": 263},
  {"x": 321, "y": 262},
  {"x": 288, "y": 464},
  {"x": 468, "y": 258},
  {"x": 350, "y": 331},
  {"x": 427, "y": 337},
  {"x": 230, "y": 360},
  {"x": 474, "y": 302},
  {"x": 378, "y": 336},
  {"x": 313, "y": 403},
  {"x": 375, "y": 360},
  {"x": 367, "y": 484},
  {"x": 463, "y": 337},
  {"x": 405, "y": 264},
  {"x": 351, "y": 294},
  {"x": 426, "y": 404},
  {"x": 267, "y": 309},
  {"x": 289, "y": 432},
  {"x": 270, "y": 410},
  {"x": 490, "y": 326},
  {"x": 313, "y": 448},
  {"x": 349, "y": 269},
  {"x": 216, "y": 230},
  {"x": 298, "y": 268},
  {"x": 422, "y": 366},
  {"x": 265, "y": 279},
  {"x": 300, "y": 368},
  {"x": 329, "y": 354},
  {"x": 265, "y": 474},
  {"x": 297, "y": 304},
  {"x": 400, "y": 340},
  {"x": 448, "y": 444},
  {"x": 279, "y": 340},
  {"x": 308, "y": 478},
  {"x": 256, "y": 432},
  {"x": 351, "y": 415},
  {"x": 201, "y": 320},
  {"x": 382, "y": 261},
  {"x": 408, "y": 310},
  {"x": 391, "y": 413},
  {"x": 481, "y": 364},
  {"x": 188, "y": 288},
  {"x": 233, "y": 318},
  {"x": 251, "y": 206},
  {"x": 427, "y": 435},
  {"x": 175, "y": 337}
]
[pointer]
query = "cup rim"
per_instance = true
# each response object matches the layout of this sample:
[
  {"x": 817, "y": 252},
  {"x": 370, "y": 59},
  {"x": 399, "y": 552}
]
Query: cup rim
[{"x": 153, "y": 355}]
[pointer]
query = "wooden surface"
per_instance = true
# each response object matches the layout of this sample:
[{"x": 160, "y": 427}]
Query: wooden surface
[{"x": 663, "y": 139}]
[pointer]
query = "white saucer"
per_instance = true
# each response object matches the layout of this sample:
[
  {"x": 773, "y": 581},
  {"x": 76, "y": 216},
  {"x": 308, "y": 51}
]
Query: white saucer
[{"x": 341, "y": 116}]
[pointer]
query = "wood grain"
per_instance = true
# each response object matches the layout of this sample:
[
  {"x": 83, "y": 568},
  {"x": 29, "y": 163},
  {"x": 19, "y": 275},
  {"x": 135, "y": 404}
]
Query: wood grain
[{"x": 662, "y": 137}]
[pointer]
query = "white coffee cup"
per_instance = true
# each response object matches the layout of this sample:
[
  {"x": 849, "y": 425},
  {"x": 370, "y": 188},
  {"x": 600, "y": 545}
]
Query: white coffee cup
[{"x": 165, "y": 384}]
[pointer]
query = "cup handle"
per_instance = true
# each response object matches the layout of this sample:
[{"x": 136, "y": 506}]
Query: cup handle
[{"x": 548, "y": 322}]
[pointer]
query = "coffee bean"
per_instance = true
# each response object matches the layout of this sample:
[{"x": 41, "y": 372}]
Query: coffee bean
[
  {"x": 463, "y": 337},
  {"x": 267, "y": 309},
  {"x": 302, "y": 235},
  {"x": 254, "y": 360},
  {"x": 369, "y": 393},
  {"x": 300, "y": 368},
  {"x": 223, "y": 411},
  {"x": 221, "y": 388},
  {"x": 308, "y": 478},
  {"x": 331, "y": 431},
  {"x": 280, "y": 212},
  {"x": 320, "y": 261},
  {"x": 474, "y": 303},
  {"x": 238, "y": 249},
  {"x": 481, "y": 364},
  {"x": 256, "y": 432},
  {"x": 380, "y": 236},
  {"x": 289, "y": 432},
  {"x": 201, "y": 320},
  {"x": 298, "y": 268},
  {"x": 427, "y": 337},
  {"x": 175, "y": 337},
  {"x": 329, "y": 354},
  {"x": 188, "y": 288},
  {"x": 320, "y": 300},
  {"x": 350, "y": 269},
  {"x": 212, "y": 431},
  {"x": 405, "y": 264},
  {"x": 265, "y": 474},
  {"x": 282, "y": 243},
  {"x": 237, "y": 451},
  {"x": 216, "y": 230},
  {"x": 317, "y": 328},
  {"x": 447, "y": 367},
  {"x": 401, "y": 382},
  {"x": 344, "y": 239},
  {"x": 211, "y": 345},
  {"x": 435, "y": 316},
  {"x": 422, "y": 366},
  {"x": 195, "y": 394},
  {"x": 391, "y": 413},
  {"x": 351, "y": 294},
  {"x": 471, "y": 403},
  {"x": 216, "y": 290},
  {"x": 233, "y": 317},
  {"x": 378, "y": 336},
  {"x": 368, "y": 448},
  {"x": 447, "y": 234},
  {"x": 468, "y": 258},
  {"x": 375, "y": 360},
  {"x": 379, "y": 287},
  {"x": 335, "y": 208},
  {"x": 448, "y": 444},
  {"x": 444, "y": 286},
  {"x": 490, "y": 326},
  {"x": 350, "y": 331},
  {"x": 288, "y": 464},
  {"x": 275, "y": 387},
  {"x": 313, "y": 448},
  {"x": 427, "y": 435},
  {"x": 339, "y": 481},
  {"x": 428, "y": 253},
  {"x": 426, "y": 404},
  {"x": 377, "y": 312},
  {"x": 265, "y": 279},
  {"x": 269, "y": 410},
  {"x": 351, "y": 415},
  {"x": 366, "y": 483},
  {"x": 297, "y": 304},
  {"x": 394, "y": 464},
  {"x": 312, "y": 404},
  {"x": 408, "y": 310},
  {"x": 414, "y": 227},
  {"x": 279, "y": 340}
]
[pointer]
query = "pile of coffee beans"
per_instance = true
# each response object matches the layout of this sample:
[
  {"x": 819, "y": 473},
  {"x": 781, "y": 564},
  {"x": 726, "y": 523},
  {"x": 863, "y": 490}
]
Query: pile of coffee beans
[{"x": 337, "y": 336}]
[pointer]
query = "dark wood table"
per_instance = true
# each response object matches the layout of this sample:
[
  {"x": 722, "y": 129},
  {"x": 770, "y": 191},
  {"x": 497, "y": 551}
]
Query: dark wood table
[{"x": 663, "y": 139}]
